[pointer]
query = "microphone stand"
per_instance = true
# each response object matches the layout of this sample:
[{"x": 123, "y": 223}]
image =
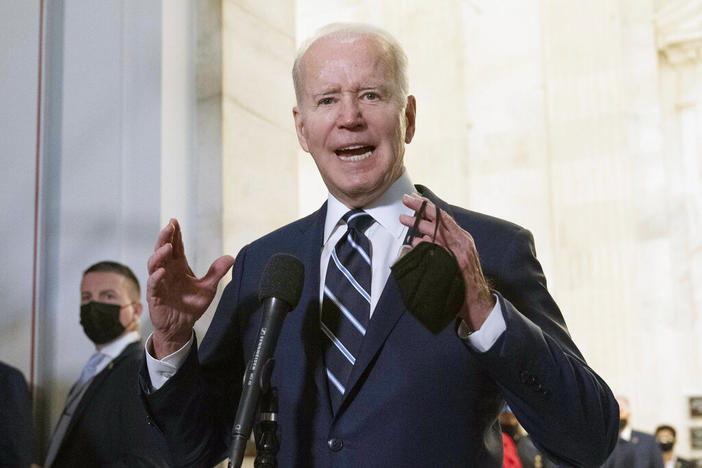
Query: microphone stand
[
  {"x": 267, "y": 398},
  {"x": 266, "y": 430},
  {"x": 256, "y": 378}
]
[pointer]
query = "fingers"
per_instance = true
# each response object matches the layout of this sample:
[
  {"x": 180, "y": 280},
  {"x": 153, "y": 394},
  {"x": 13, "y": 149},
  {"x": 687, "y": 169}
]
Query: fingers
[
  {"x": 154, "y": 282},
  {"x": 166, "y": 234},
  {"x": 218, "y": 269},
  {"x": 426, "y": 228},
  {"x": 415, "y": 202},
  {"x": 178, "y": 247},
  {"x": 159, "y": 258}
]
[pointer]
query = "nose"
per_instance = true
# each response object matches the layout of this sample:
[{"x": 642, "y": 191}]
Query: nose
[{"x": 350, "y": 113}]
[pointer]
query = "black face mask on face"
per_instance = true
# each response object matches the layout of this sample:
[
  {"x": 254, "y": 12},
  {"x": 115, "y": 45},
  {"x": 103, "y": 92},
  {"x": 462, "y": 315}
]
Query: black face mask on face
[
  {"x": 666, "y": 446},
  {"x": 100, "y": 321},
  {"x": 430, "y": 280}
]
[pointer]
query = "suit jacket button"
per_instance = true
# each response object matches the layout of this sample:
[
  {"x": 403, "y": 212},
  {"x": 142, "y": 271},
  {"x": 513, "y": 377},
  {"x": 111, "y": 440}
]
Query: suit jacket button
[{"x": 335, "y": 444}]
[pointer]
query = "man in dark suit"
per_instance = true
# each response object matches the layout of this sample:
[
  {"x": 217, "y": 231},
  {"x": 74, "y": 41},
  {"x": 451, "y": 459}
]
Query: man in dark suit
[
  {"x": 15, "y": 418},
  {"x": 103, "y": 422},
  {"x": 635, "y": 449},
  {"x": 417, "y": 390}
]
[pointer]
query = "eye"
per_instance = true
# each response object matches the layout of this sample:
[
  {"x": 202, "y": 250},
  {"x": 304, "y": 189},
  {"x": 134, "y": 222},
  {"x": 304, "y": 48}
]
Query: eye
[
  {"x": 325, "y": 101},
  {"x": 371, "y": 96}
]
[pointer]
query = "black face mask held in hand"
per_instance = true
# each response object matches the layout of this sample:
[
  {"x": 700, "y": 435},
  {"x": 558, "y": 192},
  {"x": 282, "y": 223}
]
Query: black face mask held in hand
[
  {"x": 430, "y": 280},
  {"x": 100, "y": 321}
]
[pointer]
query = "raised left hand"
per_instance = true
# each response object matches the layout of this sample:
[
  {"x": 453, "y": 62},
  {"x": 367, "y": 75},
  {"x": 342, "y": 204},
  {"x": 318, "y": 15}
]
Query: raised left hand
[{"x": 479, "y": 300}]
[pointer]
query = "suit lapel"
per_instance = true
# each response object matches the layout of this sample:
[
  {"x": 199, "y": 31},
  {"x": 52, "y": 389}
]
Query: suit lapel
[
  {"x": 387, "y": 312},
  {"x": 425, "y": 192},
  {"x": 95, "y": 386},
  {"x": 312, "y": 241}
]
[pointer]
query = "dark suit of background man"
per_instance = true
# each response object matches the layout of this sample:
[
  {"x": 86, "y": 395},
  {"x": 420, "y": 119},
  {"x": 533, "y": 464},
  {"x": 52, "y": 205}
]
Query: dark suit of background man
[
  {"x": 635, "y": 449},
  {"x": 414, "y": 397},
  {"x": 15, "y": 419},
  {"x": 104, "y": 423}
]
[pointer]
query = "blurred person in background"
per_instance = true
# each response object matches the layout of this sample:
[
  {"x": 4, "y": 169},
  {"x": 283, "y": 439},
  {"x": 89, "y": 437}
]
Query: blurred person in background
[
  {"x": 666, "y": 437},
  {"x": 635, "y": 449}
]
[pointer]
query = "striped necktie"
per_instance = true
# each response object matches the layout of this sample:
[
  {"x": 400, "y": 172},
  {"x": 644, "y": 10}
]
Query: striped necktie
[{"x": 346, "y": 303}]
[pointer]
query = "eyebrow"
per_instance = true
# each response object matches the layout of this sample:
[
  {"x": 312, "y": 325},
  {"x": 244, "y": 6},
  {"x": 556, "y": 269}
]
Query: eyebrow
[
  {"x": 336, "y": 90},
  {"x": 326, "y": 92},
  {"x": 100, "y": 293}
]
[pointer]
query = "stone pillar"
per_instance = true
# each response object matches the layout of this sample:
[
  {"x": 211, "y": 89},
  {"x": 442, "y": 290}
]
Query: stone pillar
[{"x": 259, "y": 165}]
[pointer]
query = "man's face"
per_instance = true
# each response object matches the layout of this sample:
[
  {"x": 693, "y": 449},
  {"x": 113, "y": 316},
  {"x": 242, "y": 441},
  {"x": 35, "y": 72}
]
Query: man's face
[
  {"x": 665, "y": 435},
  {"x": 624, "y": 415},
  {"x": 112, "y": 288},
  {"x": 351, "y": 118}
]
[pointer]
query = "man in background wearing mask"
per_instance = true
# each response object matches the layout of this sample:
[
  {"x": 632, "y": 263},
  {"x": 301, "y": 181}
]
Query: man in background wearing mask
[
  {"x": 634, "y": 448},
  {"x": 666, "y": 437},
  {"x": 103, "y": 422}
]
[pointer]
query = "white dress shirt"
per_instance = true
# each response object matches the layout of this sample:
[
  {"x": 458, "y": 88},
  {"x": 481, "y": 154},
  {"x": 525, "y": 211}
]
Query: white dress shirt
[{"x": 115, "y": 348}]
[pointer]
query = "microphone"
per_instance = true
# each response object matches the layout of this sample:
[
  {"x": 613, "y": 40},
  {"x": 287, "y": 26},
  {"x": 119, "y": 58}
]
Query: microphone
[{"x": 279, "y": 292}]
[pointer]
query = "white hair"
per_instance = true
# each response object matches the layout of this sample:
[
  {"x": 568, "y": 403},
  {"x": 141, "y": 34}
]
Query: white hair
[{"x": 396, "y": 57}]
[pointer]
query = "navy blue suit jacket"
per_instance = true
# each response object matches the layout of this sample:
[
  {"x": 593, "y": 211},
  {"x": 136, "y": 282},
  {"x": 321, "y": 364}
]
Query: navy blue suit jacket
[
  {"x": 641, "y": 451},
  {"x": 109, "y": 427},
  {"x": 414, "y": 398},
  {"x": 15, "y": 418}
]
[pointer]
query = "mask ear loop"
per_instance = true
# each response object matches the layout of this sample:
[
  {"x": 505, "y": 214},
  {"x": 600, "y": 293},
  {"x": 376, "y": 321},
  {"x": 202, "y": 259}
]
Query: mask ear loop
[
  {"x": 438, "y": 220},
  {"x": 415, "y": 228}
]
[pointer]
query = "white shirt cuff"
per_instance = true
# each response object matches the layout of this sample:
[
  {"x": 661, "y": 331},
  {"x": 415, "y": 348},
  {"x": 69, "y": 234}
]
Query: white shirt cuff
[
  {"x": 162, "y": 370},
  {"x": 493, "y": 327}
]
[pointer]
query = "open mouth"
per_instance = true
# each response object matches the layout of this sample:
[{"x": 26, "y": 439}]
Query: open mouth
[{"x": 354, "y": 152}]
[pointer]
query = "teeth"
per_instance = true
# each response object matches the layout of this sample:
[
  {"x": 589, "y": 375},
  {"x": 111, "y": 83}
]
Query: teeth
[
  {"x": 351, "y": 148},
  {"x": 356, "y": 158}
]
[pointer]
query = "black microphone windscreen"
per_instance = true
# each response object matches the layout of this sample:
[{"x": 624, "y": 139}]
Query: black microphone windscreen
[{"x": 282, "y": 278}]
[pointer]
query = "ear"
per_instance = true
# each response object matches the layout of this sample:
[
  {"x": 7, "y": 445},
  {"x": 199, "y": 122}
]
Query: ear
[
  {"x": 138, "y": 309},
  {"x": 410, "y": 115},
  {"x": 300, "y": 128}
]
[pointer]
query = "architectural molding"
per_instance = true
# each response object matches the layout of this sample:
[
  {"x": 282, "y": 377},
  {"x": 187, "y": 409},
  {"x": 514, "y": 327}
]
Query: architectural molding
[{"x": 679, "y": 31}]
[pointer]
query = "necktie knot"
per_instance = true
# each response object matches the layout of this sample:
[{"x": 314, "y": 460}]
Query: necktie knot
[
  {"x": 90, "y": 368},
  {"x": 358, "y": 220}
]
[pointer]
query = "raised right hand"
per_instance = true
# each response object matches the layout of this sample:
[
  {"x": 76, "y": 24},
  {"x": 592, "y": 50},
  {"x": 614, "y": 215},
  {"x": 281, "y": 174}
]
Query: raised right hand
[{"x": 176, "y": 297}]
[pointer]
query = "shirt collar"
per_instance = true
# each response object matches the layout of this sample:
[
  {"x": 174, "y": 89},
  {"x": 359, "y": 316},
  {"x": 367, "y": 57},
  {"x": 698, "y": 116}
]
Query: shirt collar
[
  {"x": 115, "y": 348},
  {"x": 626, "y": 434},
  {"x": 385, "y": 210}
]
